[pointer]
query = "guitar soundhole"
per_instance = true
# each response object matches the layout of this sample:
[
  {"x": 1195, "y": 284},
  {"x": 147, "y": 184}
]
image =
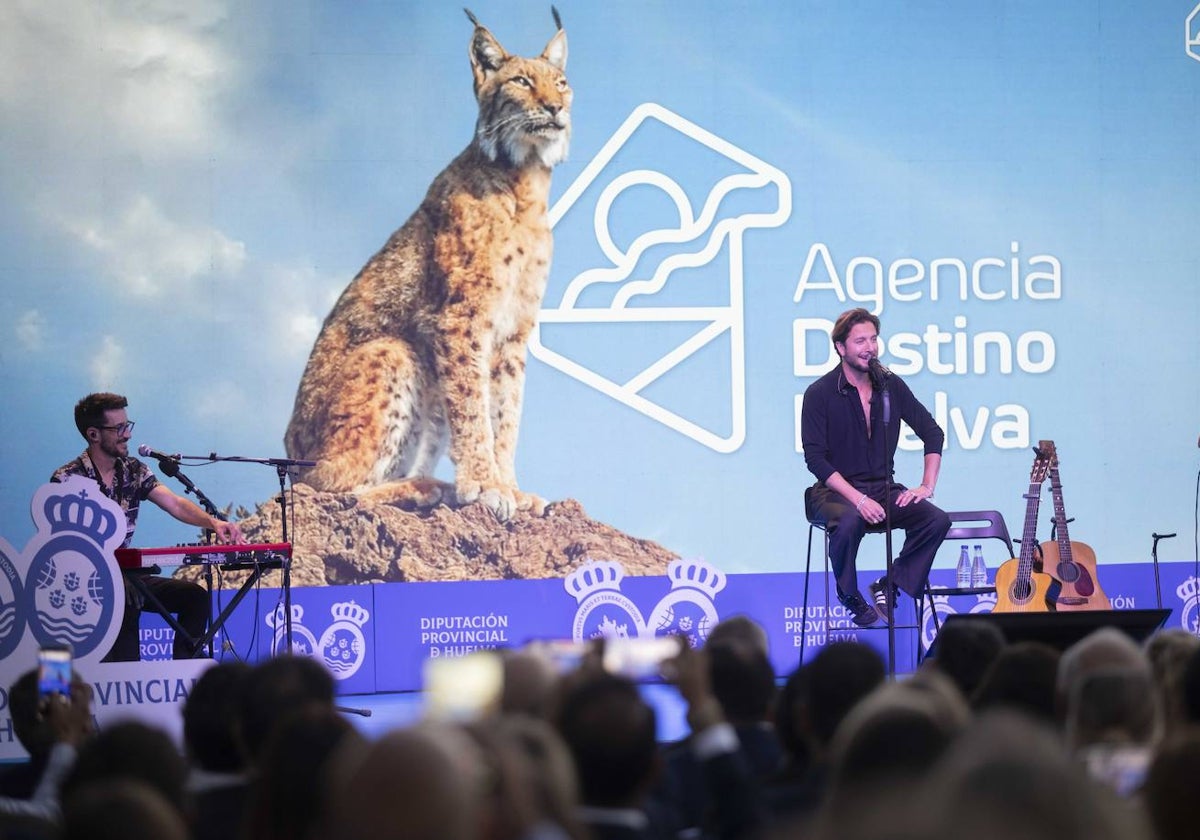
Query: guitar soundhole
[
  {"x": 1021, "y": 591},
  {"x": 1078, "y": 577},
  {"x": 1068, "y": 572}
]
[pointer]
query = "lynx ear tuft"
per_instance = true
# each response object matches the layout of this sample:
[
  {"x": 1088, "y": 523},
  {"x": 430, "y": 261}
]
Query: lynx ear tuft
[
  {"x": 556, "y": 51},
  {"x": 471, "y": 16},
  {"x": 486, "y": 53}
]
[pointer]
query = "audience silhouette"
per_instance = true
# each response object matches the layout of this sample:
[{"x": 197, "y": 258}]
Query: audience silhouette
[{"x": 1101, "y": 741}]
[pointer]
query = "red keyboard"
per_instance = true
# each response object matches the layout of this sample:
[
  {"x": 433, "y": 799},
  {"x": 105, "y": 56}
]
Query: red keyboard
[{"x": 192, "y": 555}]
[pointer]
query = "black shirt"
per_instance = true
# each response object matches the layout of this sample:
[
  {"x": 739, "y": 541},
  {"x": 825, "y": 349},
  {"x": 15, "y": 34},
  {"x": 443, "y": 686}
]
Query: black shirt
[{"x": 834, "y": 431}]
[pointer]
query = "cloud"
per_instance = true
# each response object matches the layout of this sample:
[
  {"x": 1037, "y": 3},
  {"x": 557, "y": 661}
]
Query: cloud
[
  {"x": 219, "y": 401},
  {"x": 30, "y": 331},
  {"x": 142, "y": 78},
  {"x": 147, "y": 252},
  {"x": 106, "y": 365}
]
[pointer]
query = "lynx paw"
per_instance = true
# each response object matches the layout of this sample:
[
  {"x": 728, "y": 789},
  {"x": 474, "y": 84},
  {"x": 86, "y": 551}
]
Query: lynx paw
[
  {"x": 530, "y": 502},
  {"x": 499, "y": 499},
  {"x": 409, "y": 493}
]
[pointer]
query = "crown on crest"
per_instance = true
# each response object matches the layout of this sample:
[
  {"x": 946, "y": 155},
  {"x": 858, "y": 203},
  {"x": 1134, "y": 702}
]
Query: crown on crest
[
  {"x": 350, "y": 611},
  {"x": 695, "y": 574},
  {"x": 594, "y": 576},
  {"x": 937, "y": 600},
  {"x": 1188, "y": 589},
  {"x": 277, "y": 618},
  {"x": 71, "y": 512}
]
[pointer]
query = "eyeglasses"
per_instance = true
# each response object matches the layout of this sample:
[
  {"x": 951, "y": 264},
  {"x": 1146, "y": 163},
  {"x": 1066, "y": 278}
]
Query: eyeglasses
[{"x": 119, "y": 428}]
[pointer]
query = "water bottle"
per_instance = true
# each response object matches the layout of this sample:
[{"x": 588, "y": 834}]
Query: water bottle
[
  {"x": 978, "y": 569},
  {"x": 962, "y": 578}
]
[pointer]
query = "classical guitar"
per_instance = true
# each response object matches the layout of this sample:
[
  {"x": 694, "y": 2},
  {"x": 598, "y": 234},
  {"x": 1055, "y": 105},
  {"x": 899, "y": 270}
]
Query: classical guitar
[
  {"x": 1018, "y": 587},
  {"x": 1072, "y": 564}
]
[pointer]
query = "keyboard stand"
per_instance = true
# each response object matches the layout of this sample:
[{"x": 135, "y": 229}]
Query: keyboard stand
[{"x": 136, "y": 577}]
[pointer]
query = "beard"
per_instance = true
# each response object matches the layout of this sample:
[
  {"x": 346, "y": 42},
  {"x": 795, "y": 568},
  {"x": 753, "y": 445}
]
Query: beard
[{"x": 120, "y": 449}]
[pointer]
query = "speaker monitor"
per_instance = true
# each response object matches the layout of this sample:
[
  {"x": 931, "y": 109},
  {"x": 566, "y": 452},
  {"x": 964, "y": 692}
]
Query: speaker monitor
[{"x": 1062, "y": 629}]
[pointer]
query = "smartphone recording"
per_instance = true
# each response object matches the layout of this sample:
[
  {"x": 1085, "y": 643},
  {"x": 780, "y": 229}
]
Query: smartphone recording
[
  {"x": 463, "y": 688},
  {"x": 639, "y": 659},
  {"x": 54, "y": 671}
]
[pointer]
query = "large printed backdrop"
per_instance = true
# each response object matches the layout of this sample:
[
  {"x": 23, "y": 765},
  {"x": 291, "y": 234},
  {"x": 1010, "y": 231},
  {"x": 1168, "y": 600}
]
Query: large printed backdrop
[{"x": 1014, "y": 187}]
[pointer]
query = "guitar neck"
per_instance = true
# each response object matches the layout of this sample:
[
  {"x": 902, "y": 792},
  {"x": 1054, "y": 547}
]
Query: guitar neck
[
  {"x": 1061, "y": 536},
  {"x": 1033, "y": 499}
]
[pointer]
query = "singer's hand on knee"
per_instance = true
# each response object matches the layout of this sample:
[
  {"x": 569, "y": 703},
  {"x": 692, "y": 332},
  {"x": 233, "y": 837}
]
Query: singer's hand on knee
[{"x": 871, "y": 511}]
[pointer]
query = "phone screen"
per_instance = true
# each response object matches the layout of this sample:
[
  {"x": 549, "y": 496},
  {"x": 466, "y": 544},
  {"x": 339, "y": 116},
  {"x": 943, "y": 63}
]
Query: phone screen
[
  {"x": 637, "y": 658},
  {"x": 54, "y": 671},
  {"x": 565, "y": 654},
  {"x": 463, "y": 688}
]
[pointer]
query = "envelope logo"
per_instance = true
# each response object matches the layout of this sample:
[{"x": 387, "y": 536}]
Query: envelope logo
[
  {"x": 1191, "y": 34},
  {"x": 649, "y": 296}
]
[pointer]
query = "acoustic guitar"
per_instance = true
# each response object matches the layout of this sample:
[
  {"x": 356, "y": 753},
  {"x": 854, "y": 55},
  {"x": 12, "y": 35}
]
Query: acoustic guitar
[
  {"x": 1018, "y": 587},
  {"x": 1072, "y": 564}
]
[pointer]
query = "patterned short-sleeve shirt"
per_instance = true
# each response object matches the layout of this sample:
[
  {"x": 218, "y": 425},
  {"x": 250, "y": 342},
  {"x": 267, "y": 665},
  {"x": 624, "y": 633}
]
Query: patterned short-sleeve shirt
[{"x": 132, "y": 483}]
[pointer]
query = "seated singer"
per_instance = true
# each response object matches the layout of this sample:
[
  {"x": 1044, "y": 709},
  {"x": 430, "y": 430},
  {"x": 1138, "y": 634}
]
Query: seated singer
[
  {"x": 102, "y": 421},
  {"x": 848, "y": 449}
]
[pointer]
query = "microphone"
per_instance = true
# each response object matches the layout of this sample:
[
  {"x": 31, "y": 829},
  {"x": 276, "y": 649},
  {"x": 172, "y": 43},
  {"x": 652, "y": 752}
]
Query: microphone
[
  {"x": 879, "y": 377},
  {"x": 878, "y": 371},
  {"x": 146, "y": 452}
]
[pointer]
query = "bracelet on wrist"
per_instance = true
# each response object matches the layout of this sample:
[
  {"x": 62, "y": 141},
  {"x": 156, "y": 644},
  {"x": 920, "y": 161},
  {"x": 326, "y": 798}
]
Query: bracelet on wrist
[{"x": 858, "y": 505}]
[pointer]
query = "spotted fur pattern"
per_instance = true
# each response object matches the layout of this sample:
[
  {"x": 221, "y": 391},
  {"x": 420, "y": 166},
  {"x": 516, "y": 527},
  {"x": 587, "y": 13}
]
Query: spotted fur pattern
[{"x": 426, "y": 346}]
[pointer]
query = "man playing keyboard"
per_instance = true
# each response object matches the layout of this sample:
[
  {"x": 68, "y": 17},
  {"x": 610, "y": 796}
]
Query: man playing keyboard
[{"x": 102, "y": 420}]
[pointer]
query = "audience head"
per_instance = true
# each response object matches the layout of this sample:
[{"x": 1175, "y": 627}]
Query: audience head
[
  {"x": 419, "y": 783},
  {"x": 1105, "y": 648},
  {"x": 1021, "y": 678},
  {"x": 743, "y": 680},
  {"x": 896, "y": 733},
  {"x": 1169, "y": 792},
  {"x": 530, "y": 678},
  {"x": 611, "y": 733},
  {"x": 1113, "y": 706},
  {"x": 964, "y": 650},
  {"x": 210, "y": 718},
  {"x": 1190, "y": 690},
  {"x": 130, "y": 750},
  {"x": 790, "y": 718},
  {"x": 287, "y": 797},
  {"x": 840, "y": 675},
  {"x": 1007, "y": 776},
  {"x": 551, "y": 771},
  {"x": 741, "y": 628},
  {"x": 121, "y": 809},
  {"x": 283, "y": 682},
  {"x": 1108, "y": 651},
  {"x": 508, "y": 805},
  {"x": 1169, "y": 652}
]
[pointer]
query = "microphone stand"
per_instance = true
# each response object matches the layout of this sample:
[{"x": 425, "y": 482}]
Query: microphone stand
[
  {"x": 1154, "y": 557},
  {"x": 887, "y": 524},
  {"x": 282, "y": 468},
  {"x": 170, "y": 467}
]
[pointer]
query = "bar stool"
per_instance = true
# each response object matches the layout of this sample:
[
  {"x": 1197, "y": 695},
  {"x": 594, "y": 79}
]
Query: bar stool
[{"x": 816, "y": 522}]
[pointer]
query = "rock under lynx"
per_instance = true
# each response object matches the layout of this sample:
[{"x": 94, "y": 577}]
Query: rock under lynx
[{"x": 428, "y": 341}]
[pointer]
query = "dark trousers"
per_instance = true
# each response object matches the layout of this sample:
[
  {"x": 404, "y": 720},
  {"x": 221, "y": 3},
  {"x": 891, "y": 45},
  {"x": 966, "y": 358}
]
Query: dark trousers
[
  {"x": 924, "y": 524},
  {"x": 187, "y": 600}
]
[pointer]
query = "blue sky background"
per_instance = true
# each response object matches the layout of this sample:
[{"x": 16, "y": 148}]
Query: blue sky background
[{"x": 186, "y": 187}]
